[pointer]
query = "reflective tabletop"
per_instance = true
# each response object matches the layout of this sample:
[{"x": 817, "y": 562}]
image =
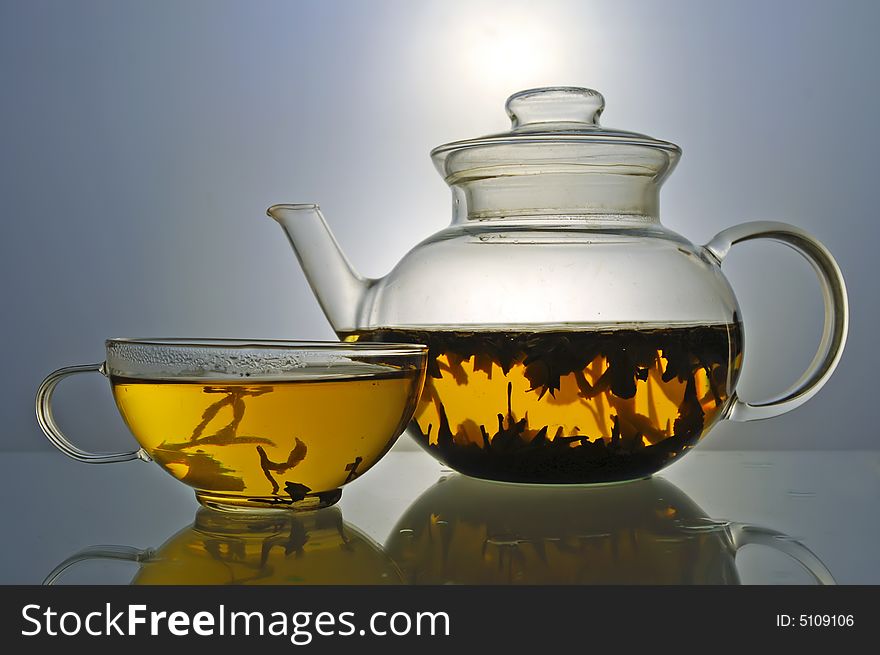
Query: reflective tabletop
[{"x": 716, "y": 517}]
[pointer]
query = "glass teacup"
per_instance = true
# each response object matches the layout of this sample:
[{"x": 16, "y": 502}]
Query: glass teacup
[{"x": 254, "y": 424}]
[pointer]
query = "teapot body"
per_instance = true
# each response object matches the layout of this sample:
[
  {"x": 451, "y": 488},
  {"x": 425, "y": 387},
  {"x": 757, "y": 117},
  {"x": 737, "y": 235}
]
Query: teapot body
[{"x": 562, "y": 350}]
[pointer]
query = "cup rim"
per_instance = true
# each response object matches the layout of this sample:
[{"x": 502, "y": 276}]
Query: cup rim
[{"x": 222, "y": 343}]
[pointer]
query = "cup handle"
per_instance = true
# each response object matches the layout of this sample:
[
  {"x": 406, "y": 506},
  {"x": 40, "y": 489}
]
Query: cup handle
[
  {"x": 53, "y": 432},
  {"x": 836, "y": 313},
  {"x": 119, "y": 553},
  {"x": 742, "y": 534}
]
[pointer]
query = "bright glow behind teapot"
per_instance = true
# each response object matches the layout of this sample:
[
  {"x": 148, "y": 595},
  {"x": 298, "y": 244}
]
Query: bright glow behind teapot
[{"x": 574, "y": 339}]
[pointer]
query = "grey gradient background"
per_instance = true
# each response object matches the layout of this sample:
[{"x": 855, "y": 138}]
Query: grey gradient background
[{"x": 140, "y": 143}]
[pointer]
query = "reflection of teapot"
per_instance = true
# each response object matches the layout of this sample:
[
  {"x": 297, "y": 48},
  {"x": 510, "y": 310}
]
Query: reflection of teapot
[
  {"x": 573, "y": 337},
  {"x": 466, "y": 531},
  {"x": 224, "y": 548}
]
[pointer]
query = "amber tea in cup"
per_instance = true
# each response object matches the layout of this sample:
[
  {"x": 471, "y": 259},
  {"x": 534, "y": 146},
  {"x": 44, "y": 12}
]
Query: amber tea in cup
[{"x": 255, "y": 424}]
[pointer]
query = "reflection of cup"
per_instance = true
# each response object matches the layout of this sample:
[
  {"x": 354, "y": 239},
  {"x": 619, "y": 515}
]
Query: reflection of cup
[
  {"x": 467, "y": 531},
  {"x": 254, "y": 424},
  {"x": 238, "y": 548}
]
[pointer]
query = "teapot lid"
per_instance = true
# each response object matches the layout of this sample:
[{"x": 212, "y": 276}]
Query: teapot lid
[{"x": 554, "y": 129}]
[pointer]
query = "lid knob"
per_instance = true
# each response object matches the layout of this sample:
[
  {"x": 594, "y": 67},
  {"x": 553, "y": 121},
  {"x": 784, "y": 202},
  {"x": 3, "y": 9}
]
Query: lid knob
[{"x": 558, "y": 104}]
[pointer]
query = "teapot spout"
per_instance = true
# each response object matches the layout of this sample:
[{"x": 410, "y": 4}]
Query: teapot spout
[{"x": 339, "y": 289}]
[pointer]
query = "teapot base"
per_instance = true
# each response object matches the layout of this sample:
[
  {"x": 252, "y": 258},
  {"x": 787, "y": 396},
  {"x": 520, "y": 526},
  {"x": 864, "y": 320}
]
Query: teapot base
[
  {"x": 268, "y": 504},
  {"x": 557, "y": 485},
  {"x": 591, "y": 465}
]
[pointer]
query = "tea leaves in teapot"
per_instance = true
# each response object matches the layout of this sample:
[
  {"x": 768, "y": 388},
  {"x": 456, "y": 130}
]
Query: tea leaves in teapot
[{"x": 570, "y": 406}]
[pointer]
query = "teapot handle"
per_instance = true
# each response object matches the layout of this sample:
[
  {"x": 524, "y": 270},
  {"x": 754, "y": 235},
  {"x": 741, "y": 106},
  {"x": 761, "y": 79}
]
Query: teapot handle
[
  {"x": 120, "y": 553},
  {"x": 745, "y": 535},
  {"x": 836, "y": 313}
]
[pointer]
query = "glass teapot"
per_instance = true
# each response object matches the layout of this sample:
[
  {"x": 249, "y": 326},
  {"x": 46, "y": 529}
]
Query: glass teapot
[{"x": 573, "y": 338}]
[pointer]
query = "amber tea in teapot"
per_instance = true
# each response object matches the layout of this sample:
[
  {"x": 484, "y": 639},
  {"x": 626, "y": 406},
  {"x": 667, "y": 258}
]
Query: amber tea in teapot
[{"x": 570, "y": 406}]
